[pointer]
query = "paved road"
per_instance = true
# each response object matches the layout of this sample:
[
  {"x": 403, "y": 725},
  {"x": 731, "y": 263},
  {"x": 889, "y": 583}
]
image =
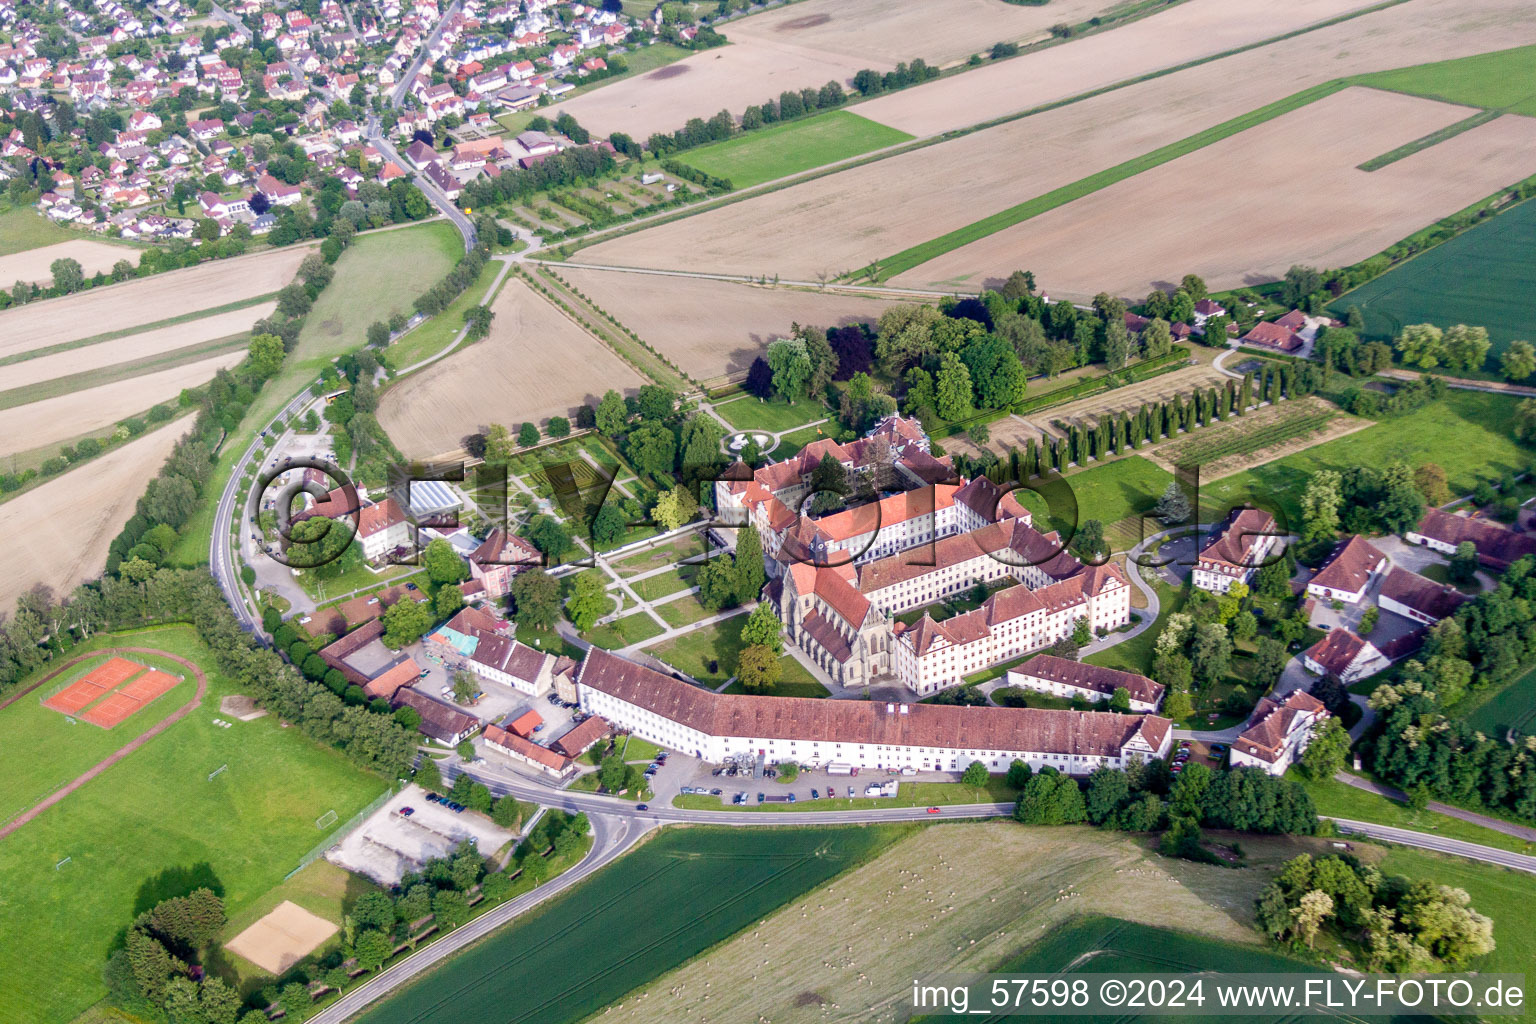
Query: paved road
[
  {"x": 1472, "y": 817},
  {"x": 409, "y": 76},
  {"x": 612, "y": 837},
  {"x": 1440, "y": 844}
]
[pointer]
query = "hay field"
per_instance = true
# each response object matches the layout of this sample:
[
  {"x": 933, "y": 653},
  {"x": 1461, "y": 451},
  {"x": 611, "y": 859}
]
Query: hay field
[
  {"x": 147, "y": 300},
  {"x": 1185, "y": 32},
  {"x": 954, "y": 898},
  {"x": 814, "y": 42},
  {"x": 843, "y": 221},
  {"x": 1130, "y": 397},
  {"x": 134, "y": 347},
  {"x": 53, "y": 420},
  {"x": 1299, "y": 198},
  {"x": 716, "y": 328},
  {"x": 57, "y": 534},
  {"x": 33, "y": 265},
  {"x": 535, "y": 364}
]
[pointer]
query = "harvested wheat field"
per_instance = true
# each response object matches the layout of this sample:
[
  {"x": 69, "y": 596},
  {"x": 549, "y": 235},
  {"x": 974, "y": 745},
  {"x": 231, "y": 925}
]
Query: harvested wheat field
[
  {"x": 715, "y": 328},
  {"x": 1299, "y": 198},
  {"x": 535, "y": 364},
  {"x": 34, "y": 265},
  {"x": 147, "y": 300},
  {"x": 1185, "y": 32},
  {"x": 842, "y": 221},
  {"x": 57, "y": 534},
  {"x": 1130, "y": 397},
  {"x": 937, "y": 899},
  {"x": 145, "y": 345},
  {"x": 815, "y": 42},
  {"x": 24, "y": 427},
  {"x": 1264, "y": 435}
]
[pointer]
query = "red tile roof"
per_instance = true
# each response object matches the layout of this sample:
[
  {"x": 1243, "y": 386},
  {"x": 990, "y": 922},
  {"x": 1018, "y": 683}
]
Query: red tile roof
[
  {"x": 1496, "y": 546},
  {"x": 1271, "y": 721},
  {"x": 1350, "y": 566},
  {"x": 583, "y": 736},
  {"x": 1436, "y": 600},
  {"x": 1337, "y": 651},
  {"x": 500, "y": 737},
  {"x": 1092, "y": 677},
  {"x": 1266, "y": 333},
  {"x": 1236, "y": 543}
]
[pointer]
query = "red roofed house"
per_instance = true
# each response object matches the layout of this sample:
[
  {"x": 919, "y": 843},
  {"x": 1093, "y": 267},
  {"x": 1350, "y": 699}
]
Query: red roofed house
[
  {"x": 276, "y": 192},
  {"x": 1274, "y": 336},
  {"x": 511, "y": 745},
  {"x": 1414, "y": 597},
  {"x": 1277, "y": 732},
  {"x": 1348, "y": 572},
  {"x": 525, "y": 724},
  {"x": 1344, "y": 656},
  {"x": 1064, "y": 677},
  {"x": 1236, "y": 551},
  {"x": 1496, "y": 546},
  {"x": 502, "y": 556}
]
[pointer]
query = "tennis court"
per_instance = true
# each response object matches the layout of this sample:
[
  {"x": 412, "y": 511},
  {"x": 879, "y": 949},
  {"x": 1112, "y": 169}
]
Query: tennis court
[
  {"x": 75, "y": 696},
  {"x": 109, "y": 673},
  {"x": 150, "y": 685},
  {"x": 111, "y": 711}
]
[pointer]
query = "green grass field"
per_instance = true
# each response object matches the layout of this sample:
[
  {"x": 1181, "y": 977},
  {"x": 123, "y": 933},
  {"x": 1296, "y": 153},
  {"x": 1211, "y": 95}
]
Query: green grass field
[
  {"x": 1502, "y": 894},
  {"x": 24, "y": 228},
  {"x": 321, "y": 888},
  {"x": 153, "y": 826},
  {"x": 665, "y": 903},
  {"x": 621, "y": 632},
  {"x": 1502, "y": 80},
  {"x": 908, "y": 794},
  {"x": 1467, "y": 432},
  {"x": 435, "y": 335},
  {"x": 669, "y": 582},
  {"x": 749, "y": 413},
  {"x": 379, "y": 273},
  {"x": 1336, "y": 799},
  {"x": 68, "y": 749},
  {"x": 1108, "y": 492},
  {"x": 1480, "y": 277},
  {"x": 1513, "y": 706},
  {"x": 792, "y": 147}
]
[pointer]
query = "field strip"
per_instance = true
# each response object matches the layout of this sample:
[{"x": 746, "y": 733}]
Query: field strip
[
  {"x": 910, "y": 259},
  {"x": 1433, "y": 138},
  {"x": 53, "y": 387},
  {"x": 1264, "y": 435},
  {"x": 54, "y": 419},
  {"x": 268, "y": 300},
  {"x": 35, "y": 266}
]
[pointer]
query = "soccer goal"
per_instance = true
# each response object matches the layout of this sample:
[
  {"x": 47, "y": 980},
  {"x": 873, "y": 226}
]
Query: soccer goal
[
  {"x": 326, "y": 820},
  {"x": 217, "y": 772}
]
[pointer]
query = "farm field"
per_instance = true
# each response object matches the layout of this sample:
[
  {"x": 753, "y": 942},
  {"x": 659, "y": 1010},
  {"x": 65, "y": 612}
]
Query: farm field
[
  {"x": 534, "y": 364},
  {"x": 1184, "y": 32},
  {"x": 60, "y": 924},
  {"x": 936, "y": 898},
  {"x": 1263, "y": 435},
  {"x": 33, "y": 265},
  {"x": 815, "y": 42},
  {"x": 1466, "y": 432},
  {"x": 23, "y": 228},
  {"x": 1321, "y": 210},
  {"x": 716, "y": 328},
  {"x": 791, "y": 147},
  {"x": 541, "y": 967},
  {"x": 144, "y": 346},
  {"x": 841, "y": 222},
  {"x": 431, "y": 337},
  {"x": 1502, "y": 80},
  {"x": 70, "y": 749},
  {"x": 1511, "y": 707},
  {"x": 146, "y": 300},
  {"x": 1131, "y": 397},
  {"x": 1479, "y": 277},
  {"x": 57, "y": 534},
  {"x": 57, "y": 419}
]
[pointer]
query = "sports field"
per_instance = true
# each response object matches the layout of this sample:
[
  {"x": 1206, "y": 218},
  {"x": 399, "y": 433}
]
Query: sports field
[
  {"x": 793, "y": 147},
  {"x": 658, "y": 907},
  {"x": 154, "y": 826},
  {"x": 1481, "y": 277}
]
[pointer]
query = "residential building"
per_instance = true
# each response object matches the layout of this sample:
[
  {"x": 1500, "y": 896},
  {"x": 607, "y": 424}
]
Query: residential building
[
  {"x": 478, "y": 642},
  {"x": 1063, "y": 677},
  {"x": 1414, "y": 597},
  {"x": 517, "y": 748},
  {"x": 442, "y": 722},
  {"x": 502, "y": 556},
  {"x": 861, "y": 734},
  {"x": 1272, "y": 335},
  {"x": 1236, "y": 550},
  {"x": 1348, "y": 572},
  {"x": 1277, "y": 732},
  {"x": 1345, "y": 656},
  {"x": 1496, "y": 546}
]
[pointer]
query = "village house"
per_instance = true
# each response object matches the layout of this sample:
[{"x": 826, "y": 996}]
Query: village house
[
  {"x": 1345, "y": 656},
  {"x": 500, "y": 557},
  {"x": 1348, "y": 572},
  {"x": 1277, "y": 732},
  {"x": 442, "y": 722},
  {"x": 1496, "y": 546},
  {"x": 1414, "y": 597},
  {"x": 1236, "y": 550}
]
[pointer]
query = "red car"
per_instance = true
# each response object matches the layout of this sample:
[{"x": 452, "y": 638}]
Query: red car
[{"x": 933, "y": 810}]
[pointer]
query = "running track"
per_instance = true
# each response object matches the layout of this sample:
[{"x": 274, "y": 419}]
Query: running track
[{"x": 121, "y": 752}]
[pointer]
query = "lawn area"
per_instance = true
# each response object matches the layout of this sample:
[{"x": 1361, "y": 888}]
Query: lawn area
[
  {"x": 1502, "y": 894},
  {"x": 695, "y": 652},
  {"x": 675, "y": 550},
  {"x": 1135, "y": 654},
  {"x": 1499, "y": 710},
  {"x": 1502, "y": 80},
  {"x": 637, "y": 749},
  {"x": 1441, "y": 573},
  {"x": 793, "y": 146},
  {"x": 669, "y": 582},
  {"x": 1467, "y": 432},
  {"x": 67, "y": 750},
  {"x": 1478, "y": 277},
  {"x": 683, "y": 611},
  {"x": 437, "y": 333},
  {"x": 355, "y": 577},
  {"x": 791, "y": 443},
  {"x": 241, "y": 832},
  {"x": 749, "y": 413},
  {"x": 631, "y": 629},
  {"x": 691, "y": 887},
  {"x": 321, "y": 888},
  {"x": 24, "y": 228},
  {"x": 795, "y": 682},
  {"x": 1109, "y": 492},
  {"x": 908, "y": 794},
  {"x": 380, "y": 272},
  {"x": 1336, "y": 799}
]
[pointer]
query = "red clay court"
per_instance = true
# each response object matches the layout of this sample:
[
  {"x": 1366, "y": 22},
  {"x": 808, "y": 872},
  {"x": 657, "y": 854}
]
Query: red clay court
[
  {"x": 114, "y": 707},
  {"x": 150, "y": 685},
  {"x": 75, "y": 696},
  {"x": 113, "y": 671}
]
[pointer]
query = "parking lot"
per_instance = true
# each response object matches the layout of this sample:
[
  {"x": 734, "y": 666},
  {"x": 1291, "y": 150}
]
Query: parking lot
[
  {"x": 389, "y": 844},
  {"x": 1211, "y": 754},
  {"x": 682, "y": 771}
]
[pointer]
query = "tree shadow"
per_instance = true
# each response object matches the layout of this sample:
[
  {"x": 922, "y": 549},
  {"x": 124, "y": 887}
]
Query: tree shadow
[{"x": 177, "y": 881}]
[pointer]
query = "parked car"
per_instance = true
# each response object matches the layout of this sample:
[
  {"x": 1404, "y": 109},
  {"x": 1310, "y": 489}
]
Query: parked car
[
  {"x": 791, "y": 798},
  {"x": 410, "y": 586},
  {"x": 760, "y": 798},
  {"x": 406, "y": 812},
  {"x": 740, "y": 798},
  {"x": 715, "y": 792},
  {"x": 815, "y": 794},
  {"x": 1177, "y": 768},
  {"x": 850, "y": 791},
  {"x": 1218, "y": 748}
]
